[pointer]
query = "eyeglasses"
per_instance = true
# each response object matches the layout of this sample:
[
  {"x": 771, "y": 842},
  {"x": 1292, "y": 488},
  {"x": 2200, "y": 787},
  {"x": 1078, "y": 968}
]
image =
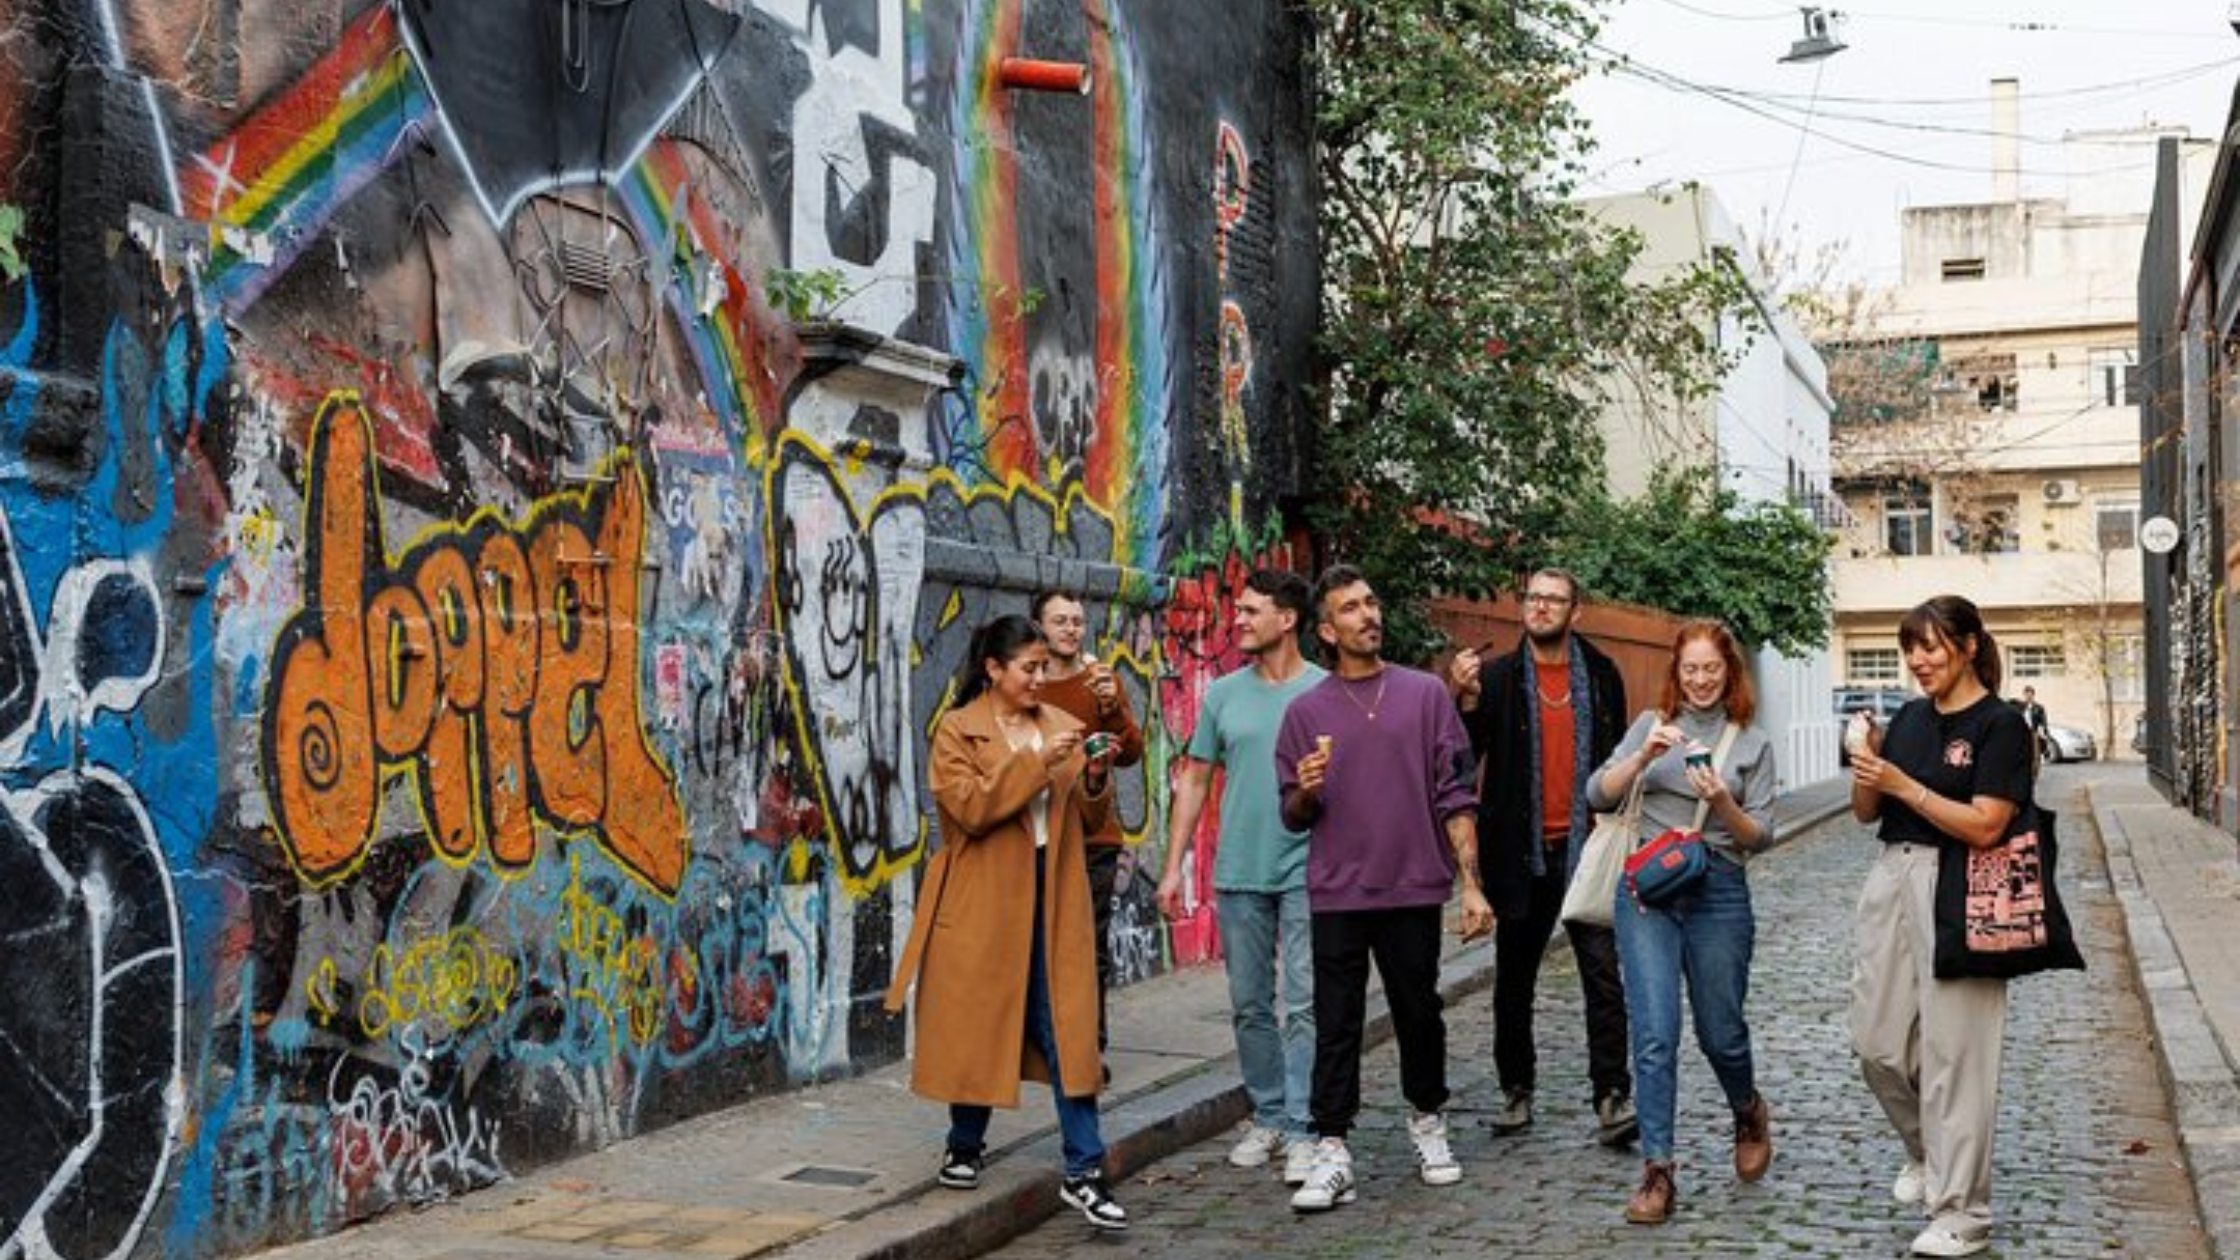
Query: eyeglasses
[{"x": 1546, "y": 601}]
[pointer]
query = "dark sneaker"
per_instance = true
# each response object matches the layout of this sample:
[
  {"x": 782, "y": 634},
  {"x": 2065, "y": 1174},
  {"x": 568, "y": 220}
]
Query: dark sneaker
[
  {"x": 1515, "y": 1115},
  {"x": 960, "y": 1171},
  {"x": 1095, "y": 1201},
  {"x": 1615, "y": 1122}
]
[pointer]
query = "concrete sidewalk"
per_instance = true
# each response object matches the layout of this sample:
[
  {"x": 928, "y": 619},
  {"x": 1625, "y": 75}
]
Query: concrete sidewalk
[
  {"x": 846, "y": 1169},
  {"x": 2179, "y": 884}
]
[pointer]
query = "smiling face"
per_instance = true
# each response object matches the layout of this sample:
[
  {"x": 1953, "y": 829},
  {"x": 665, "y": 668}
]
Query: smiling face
[
  {"x": 1064, "y": 624},
  {"x": 1353, "y": 621},
  {"x": 1017, "y": 682},
  {"x": 1702, "y": 670},
  {"x": 1938, "y": 665},
  {"x": 1261, "y": 623}
]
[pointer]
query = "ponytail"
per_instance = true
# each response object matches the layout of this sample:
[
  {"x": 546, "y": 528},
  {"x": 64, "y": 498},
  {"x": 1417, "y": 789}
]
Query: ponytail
[
  {"x": 998, "y": 640},
  {"x": 1953, "y": 620}
]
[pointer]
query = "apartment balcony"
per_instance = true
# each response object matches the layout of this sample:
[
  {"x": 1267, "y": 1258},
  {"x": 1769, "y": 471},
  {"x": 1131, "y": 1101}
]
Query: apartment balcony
[{"x": 2048, "y": 580}]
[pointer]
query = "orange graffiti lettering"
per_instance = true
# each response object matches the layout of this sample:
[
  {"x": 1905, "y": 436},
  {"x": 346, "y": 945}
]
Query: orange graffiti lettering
[{"x": 496, "y": 665}]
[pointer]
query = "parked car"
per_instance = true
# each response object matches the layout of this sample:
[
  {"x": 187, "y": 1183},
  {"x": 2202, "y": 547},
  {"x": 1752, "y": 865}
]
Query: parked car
[
  {"x": 2067, "y": 743},
  {"x": 1883, "y": 702}
]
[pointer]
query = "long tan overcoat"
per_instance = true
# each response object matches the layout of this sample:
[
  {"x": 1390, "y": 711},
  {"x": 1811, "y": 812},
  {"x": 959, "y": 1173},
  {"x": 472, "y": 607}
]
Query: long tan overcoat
[{"x": 971, "y": 942}]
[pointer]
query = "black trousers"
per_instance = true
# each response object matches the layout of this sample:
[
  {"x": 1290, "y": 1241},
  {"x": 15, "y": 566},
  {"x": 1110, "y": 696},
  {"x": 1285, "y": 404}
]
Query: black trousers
[
  {"x": 1404, "y": 944},
  {"x": 1104, "y": 877},
  {"x": 1520, "y": 942}
]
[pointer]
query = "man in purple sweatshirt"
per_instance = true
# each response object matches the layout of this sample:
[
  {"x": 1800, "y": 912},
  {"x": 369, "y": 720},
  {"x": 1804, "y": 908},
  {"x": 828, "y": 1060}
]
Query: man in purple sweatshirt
[{"x": 1373, "y": 763}]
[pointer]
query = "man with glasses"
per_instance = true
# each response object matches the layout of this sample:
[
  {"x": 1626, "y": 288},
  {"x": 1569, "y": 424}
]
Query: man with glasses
[
  {"x": 1080, "y": 684},
  {"x": 1541, "y": 719}
]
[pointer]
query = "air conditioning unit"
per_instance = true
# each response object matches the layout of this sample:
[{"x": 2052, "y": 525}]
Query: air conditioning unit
[{"x": 2063, "y": 490}]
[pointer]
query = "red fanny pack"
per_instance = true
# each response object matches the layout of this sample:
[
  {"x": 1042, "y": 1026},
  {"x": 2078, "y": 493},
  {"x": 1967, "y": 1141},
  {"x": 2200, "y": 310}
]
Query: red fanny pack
[{"x": 1667, "y": 866}]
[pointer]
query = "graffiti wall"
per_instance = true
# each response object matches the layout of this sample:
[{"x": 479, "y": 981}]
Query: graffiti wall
[{"x": 492, "y": 500}]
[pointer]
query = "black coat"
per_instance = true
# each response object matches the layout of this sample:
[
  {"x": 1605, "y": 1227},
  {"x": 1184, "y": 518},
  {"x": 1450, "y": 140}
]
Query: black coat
[{"x": 1508, "y": 801}]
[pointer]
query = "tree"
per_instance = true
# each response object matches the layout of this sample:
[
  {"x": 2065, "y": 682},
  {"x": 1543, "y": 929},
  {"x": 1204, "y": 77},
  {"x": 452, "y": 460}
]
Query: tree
[
  {"x": 1691, "y": 548},
  {"x": 1473, "y": 314}
]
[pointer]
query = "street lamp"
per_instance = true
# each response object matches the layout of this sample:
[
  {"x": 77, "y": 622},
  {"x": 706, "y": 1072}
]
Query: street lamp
[{"x": 1819, "y": 37}]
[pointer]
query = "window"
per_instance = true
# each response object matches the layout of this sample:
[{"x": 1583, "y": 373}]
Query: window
[
  {"x": 2127, "y": 655},
  {"x": 1991, "y": 381},
  {"x": 1963, "y": 269},
  {"x": 2115, "y": 376},
  {"x": 2118, "y": 526},
  {"x": 1988, "y": 526},
  {"x": 1905, "y": 524},
  {"x": 2038, "y": 660},
  {"x": 1872, "y": 665}
]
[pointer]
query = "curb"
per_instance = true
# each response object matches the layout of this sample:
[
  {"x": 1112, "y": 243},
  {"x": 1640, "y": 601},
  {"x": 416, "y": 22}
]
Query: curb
[
  {"x": 2203, "y": 1084},
  {"x": 1020, "y": 1191}
]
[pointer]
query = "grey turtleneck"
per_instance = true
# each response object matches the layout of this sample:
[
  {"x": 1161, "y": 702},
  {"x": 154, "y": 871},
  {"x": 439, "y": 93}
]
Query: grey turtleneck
[{"x": 1668, "y": 800}]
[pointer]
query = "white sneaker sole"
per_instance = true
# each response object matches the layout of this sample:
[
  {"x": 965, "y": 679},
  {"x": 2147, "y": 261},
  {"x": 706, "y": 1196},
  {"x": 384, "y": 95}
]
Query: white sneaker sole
[
  {"x": 1446, "y": 1176},
  {"x": 1298, "y": 1204}
]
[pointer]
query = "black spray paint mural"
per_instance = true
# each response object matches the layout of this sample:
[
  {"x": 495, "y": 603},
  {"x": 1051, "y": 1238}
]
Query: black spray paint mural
[{"x": 439, "y": 340}]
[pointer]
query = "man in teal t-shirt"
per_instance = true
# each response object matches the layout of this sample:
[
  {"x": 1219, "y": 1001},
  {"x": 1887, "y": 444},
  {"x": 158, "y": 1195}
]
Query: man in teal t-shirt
[{"x": 1260, "y": 871}]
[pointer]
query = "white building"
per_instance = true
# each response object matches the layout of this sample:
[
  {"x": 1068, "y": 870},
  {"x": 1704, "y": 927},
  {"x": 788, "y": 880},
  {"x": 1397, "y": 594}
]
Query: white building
[
  {"x": 1765, "y": 432},
  {"x": 1993, "y": 450}
]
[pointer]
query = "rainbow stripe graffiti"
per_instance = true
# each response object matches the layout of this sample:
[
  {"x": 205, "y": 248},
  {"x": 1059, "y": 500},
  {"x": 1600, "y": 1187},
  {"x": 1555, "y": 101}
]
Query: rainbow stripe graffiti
[
  {"x": 300, "y": 158},
  {"x": 1125, "y": 470},
  {"x": 714, "y": 297}
]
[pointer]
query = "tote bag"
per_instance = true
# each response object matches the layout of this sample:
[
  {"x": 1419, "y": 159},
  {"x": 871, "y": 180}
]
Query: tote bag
[
  {"x": 1999, "y": 911},
  {"x": 1592, "y": 898}
]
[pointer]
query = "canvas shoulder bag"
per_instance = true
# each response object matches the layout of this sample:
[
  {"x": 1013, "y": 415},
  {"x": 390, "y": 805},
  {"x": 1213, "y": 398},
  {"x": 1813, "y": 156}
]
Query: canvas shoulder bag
[
  {"x": 1999, "y": 912},
  {"x": 1592, "y": 897}
]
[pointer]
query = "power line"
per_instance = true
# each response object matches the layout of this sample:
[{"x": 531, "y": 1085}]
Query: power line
[
  {"x": 2168, "y": 78},
  {"x": 1624, "y": 64},
  {"x": 2022, "y": 26}
]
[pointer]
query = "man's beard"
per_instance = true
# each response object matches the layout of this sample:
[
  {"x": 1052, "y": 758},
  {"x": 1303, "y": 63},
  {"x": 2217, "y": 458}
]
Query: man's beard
[{"x": 1550, "y": 638}]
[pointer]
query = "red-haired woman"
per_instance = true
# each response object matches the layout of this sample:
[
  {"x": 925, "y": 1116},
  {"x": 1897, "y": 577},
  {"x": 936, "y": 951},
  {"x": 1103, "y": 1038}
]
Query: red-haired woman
[{"x": 1707, "y": 769}]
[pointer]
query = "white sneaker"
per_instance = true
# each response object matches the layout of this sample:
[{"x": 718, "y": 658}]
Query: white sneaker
[
  {"x": 1330, "y": 1182},
  {"x": 1255, "y": 1148},
  {"x": 1433, "y": 1160},
  {"x": 1298, "y": 1162},
  {"x": 1912, "y": 1185},
  {"x": 1944, "y": 1240}
]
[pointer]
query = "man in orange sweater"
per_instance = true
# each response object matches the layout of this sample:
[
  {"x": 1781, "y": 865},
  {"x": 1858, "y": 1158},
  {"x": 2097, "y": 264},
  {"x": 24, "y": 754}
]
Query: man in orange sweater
[{"x": 1077, "y": 682}]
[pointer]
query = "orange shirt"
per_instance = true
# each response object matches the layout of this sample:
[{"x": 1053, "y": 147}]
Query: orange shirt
[{"x": 1558, "y": 734}]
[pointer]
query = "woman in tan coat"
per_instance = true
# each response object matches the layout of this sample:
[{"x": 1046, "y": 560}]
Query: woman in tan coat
[{"x": 1002, "y": 948}]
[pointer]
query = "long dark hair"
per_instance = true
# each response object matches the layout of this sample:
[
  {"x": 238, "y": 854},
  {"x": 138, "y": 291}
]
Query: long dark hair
[
  {"x": 1952, "y": 620},
  {"x": 999, "y": 640}
]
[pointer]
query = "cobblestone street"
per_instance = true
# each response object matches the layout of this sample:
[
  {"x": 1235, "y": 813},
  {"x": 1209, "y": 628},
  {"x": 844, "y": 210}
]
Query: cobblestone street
[{"x": 2087, "y": 1159}]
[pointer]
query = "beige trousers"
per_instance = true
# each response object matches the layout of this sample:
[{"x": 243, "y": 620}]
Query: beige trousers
[{"x": 1929, "y": 1048}]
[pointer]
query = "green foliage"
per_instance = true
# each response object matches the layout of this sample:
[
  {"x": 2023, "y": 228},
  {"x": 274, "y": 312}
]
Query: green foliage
[
  {"x": 805, "y": 295},
  {"x": 1473, "y": 314},
  {"x": 1690, "y": 548}
]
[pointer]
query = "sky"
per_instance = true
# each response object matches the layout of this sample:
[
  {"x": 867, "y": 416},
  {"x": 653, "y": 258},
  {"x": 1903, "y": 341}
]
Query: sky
[{"x": 1703, "y": 96}]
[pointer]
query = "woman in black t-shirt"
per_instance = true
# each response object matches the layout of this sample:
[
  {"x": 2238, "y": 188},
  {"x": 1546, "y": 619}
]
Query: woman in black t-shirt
[{"x": 1953, "y": 769}]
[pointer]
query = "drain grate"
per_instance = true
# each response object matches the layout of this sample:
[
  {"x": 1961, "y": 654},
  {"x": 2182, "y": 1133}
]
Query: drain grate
[{"x": 835, "y": 1178}]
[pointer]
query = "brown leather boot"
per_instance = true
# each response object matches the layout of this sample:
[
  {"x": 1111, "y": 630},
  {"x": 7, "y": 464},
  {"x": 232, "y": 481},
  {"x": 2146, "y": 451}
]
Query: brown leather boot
[
  {"x": 1652, "y": 1203},
  {"x": 1753, "y": 1140}
]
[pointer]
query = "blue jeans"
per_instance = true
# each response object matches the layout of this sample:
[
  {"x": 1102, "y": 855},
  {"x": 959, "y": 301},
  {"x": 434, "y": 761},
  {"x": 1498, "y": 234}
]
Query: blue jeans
[
  {"x": 1704, "y": 934},
  {"x": 1258, "y": 929},
  {"x": 1078, "y": 1132}
]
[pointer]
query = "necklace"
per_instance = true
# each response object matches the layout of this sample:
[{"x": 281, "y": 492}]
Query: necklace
[
  {"x": 1553, "y": 702},
  {"x": 1369, "y": 710}
]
